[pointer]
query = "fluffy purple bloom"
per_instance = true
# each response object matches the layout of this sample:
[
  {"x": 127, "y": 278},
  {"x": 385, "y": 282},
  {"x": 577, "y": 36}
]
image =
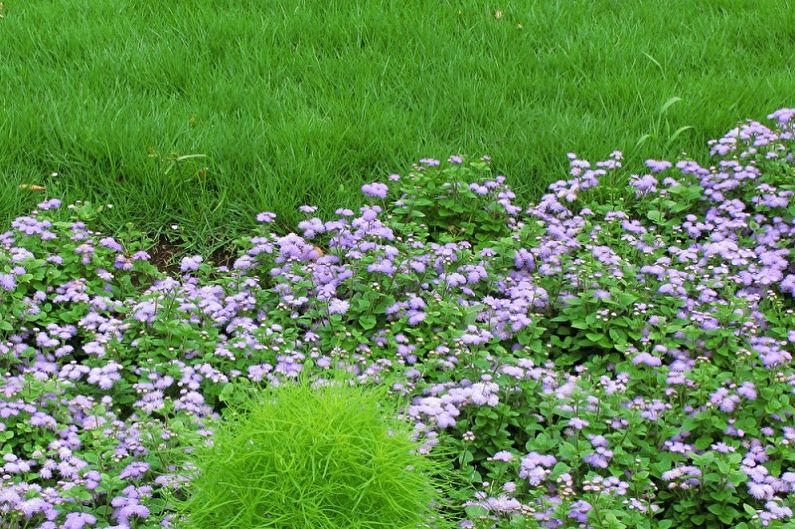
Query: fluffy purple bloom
[
  {"x": 192, "y": 263},
  {"x": 535, "y": 467},
  {"x": 375, "y": 190},
  {"x": 8, "y": 282},
  {"x": 579, "y": 511},
  {"x": 504, "y": 456},
  {"x": 657, "y": 166},
  {"x": 79, "y": 520},
  {"x": 416, "y": 317},
  {"x": 134, "y": 509},
  {"x": 338, "y": 306},
  {"x": 111, "y": 244},
  {"x": 723, "y": 448},
  {"x": 643, "y": 184},
  {"x": 266, "y": 217},
  {"x": 647, "y": 359},
  {"x": 134, "y": 470},
  {"x": 578, "y": 423},
  {"x": 52, "y": 203}
]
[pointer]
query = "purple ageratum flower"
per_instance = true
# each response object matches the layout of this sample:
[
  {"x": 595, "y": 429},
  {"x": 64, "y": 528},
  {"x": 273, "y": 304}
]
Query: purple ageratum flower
[
  {"x": 535, "y": 467},
  {"x": 579, "y": 511},
  {"x": 8, "y": 282},
  {"x": 338, "y": 306},
  {"x": 52, "y": 203},
  {"x": 416, "y": 317},
  {"x": 788, "y": 285},
  {"x": 266, "y": 217},
  {"x": 133, "y": 509},
  {"x": 578, "y": 423},
  {"x": 601, "y": 294},
  {"x": 775, "y": 511},
  {"x": 647, "y": 359},
  {"x": 658, "y": 166},
  {"x": 456, "y": 159},
  {"x": 761, "y": 491},
  {"x": 375, "y": 190},
  {"x": 134, "y": 470},
  {"x": 33, "y": 506},
  {"x": 455, "y": 279},
  {"x": 307, "y": 209},
  {"x": 430, "y": 162},
  {"x": 747, "y": 390},
  {"x": 385, "y": 267},
  {"x": 783, "y": 115},
  {"x": 191, "y": 263},
  {"x": 78, "y": 520},
  {"x": 499, "y": 504},
  {"x": 504, "y": 456},
  {"x": 643, "y": 184},
  {"x": 688, "y": 472},
  {"x": 524, "y": 260},
  {"x": 479, "y": 189},
  {"x": 723, "y": 448},
  {"x": 111, "y": 244}
]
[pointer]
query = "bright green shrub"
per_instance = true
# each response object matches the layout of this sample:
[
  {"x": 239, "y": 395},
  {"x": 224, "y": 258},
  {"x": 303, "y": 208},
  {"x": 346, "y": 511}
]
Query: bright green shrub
[{"x": 302, "y": 457}]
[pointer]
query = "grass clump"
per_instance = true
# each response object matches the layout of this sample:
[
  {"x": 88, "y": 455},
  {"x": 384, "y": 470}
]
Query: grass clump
[{"x": 299, "y": 456}]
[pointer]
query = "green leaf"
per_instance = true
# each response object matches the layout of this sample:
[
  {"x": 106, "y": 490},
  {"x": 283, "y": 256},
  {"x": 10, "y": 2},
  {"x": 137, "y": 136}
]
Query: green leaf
[
  {"x": 475, "y": 511},
  {"x": 594, "y": 337},
  {"x": 368, "y": 321},
  {"x": 703, "y": 442},
  {"x": 625, "y": 298},
  {"x": 729, "y": 515},
  {"x": 618, "y": 335},
  {"x": 676, "y": 134},
  {"x": 567, "y": 451},
  {"x": 612, "y": 522},
  {"x": 668, "y": 104}
]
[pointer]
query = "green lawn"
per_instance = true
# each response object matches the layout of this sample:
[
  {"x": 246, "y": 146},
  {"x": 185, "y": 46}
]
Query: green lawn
[{"x": 293, "y": 102}]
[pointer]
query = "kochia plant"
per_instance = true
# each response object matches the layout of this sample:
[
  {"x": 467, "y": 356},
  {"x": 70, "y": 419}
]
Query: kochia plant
[{"x": 308, "y": 457}]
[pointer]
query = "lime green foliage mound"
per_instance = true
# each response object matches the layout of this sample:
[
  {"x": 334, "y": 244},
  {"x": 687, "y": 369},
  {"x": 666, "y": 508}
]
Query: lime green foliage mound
[{"x": 319, "y": 458}]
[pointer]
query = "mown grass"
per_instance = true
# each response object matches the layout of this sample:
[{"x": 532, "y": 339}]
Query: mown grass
[{"x": 202, "y": 113}]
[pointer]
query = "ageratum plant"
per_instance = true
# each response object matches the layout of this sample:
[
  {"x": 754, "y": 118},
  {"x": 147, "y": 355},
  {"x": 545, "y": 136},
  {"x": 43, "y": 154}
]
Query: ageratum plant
[
  {"x": 319, "y": 457},
  {"x": 603, "y": 359}
]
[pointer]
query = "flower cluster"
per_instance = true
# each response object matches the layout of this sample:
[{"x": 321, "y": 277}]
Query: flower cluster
[{"x": 620, "y": 359}]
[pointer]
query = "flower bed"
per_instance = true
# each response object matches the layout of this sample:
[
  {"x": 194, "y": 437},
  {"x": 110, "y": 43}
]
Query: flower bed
[{"x": 596, "y": 359}]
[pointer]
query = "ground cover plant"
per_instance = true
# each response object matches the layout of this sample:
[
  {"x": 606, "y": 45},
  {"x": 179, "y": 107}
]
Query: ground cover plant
[
  {"x": 298, "y": 456},
  {"x": 594, "y": 359},
  {"x": 202, "y": 113}
]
